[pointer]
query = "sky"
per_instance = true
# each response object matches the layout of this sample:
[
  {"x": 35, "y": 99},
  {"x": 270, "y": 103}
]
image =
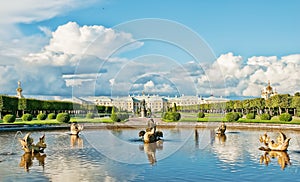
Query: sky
[{"x": 116, "y": 48}]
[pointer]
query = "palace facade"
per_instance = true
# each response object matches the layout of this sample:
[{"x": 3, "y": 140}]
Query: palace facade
[{"x": 155, "y": 103}]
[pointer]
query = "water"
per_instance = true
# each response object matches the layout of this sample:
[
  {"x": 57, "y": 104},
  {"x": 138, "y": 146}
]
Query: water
[{"x": 118, "y": 155}]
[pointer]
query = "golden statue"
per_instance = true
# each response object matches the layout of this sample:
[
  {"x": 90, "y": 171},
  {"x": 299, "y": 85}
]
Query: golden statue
[
  {"x": 151, "y": 135},
  {"x": 75, "y": 128},
  {"x": 29, "y": 147},
  {"x": 270, "y": 145}
]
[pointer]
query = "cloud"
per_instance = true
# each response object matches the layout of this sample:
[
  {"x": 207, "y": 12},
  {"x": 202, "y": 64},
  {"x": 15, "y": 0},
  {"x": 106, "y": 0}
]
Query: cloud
[
  {"x": 27, "y": 11},
  {"x": 248, "y": 78}
]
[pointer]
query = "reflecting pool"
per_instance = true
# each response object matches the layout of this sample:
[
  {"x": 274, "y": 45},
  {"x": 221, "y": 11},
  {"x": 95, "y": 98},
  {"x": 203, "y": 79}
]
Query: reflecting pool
[{"x": 119, "y": 155}]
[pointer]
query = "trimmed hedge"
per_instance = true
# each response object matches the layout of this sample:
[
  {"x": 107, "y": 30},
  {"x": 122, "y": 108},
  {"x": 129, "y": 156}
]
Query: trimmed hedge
[
  {"x": 90, "y": 115},
  {"x": 27, "y": 117},
  {"x": 51, "y": 116},
  {"x": 63, "y": 117},
  {"x": 201, "y": 115},
  {"x": 172, "y": 116},
  {"x": 265, "y": 116},
  {"x": 285, "y": 117},
  {"x": 119, "y": 117},
  {"x": 232, "y": 116},
  {"x": 9, "y": 118},
  {"x": 41, "y": 116},
  {"x": 250, "y": 116}
]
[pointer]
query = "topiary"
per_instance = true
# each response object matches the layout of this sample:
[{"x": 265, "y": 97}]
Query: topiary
[
  {"x": 172, "y": 116},
  {"x": 41, "y": 116},
  {"x": 285, "y": 117},
  {"x": 27, "y": 117},
  {"x": 51, "y": 116},
  {"x": 250, "y": 116},
  {"x": 63, "y": 117},
  {"x": 114, "y": 117},
  {"x": 232, "y": 116},
  {"x": 90, "y": 115},
  {"x": 265, "y": 116},
  {"x": 9, "y": 118},
  {"x": 201, "y": 115}
]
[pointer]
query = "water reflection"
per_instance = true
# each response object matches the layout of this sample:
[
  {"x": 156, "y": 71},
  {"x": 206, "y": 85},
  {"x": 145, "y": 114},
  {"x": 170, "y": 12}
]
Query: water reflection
[
  {"x": 220, "y": 138},
  {"x": 76, "y": 141},
  {"x": 283, "y": 158},
  {"x": 150, "y": 150},
  {"x": 27, "y": 160}
]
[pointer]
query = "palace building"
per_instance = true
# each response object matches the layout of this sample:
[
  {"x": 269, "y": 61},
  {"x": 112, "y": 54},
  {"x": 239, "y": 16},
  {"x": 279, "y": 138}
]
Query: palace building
[{"x": 155, "y": 103}]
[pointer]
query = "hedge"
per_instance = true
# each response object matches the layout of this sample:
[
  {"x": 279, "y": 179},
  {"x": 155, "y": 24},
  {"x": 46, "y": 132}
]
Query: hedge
[
  {"x": 117, "y": 117},
  {"x": 250, "y": 116},
  {"x": 41, "y": 116},
  {"x": 63, "y": 117},
  {"x": 51, "y": 116},
  {"x": 9, "y": 118},
  {"x": 201, "y": 115},
  {"x": 27, "y": 117},
  {"x": 172, "y": 116},
  {"x": 232, "y": 116},
  {"x": 285, "y": 117},
  {"x": 265, "y": 116},
  {"x": 90, "y": 115}
]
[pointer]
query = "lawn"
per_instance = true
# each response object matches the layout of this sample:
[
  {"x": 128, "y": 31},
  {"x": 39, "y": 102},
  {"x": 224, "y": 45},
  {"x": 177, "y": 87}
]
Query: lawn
[{"x": 192, "y": 117}]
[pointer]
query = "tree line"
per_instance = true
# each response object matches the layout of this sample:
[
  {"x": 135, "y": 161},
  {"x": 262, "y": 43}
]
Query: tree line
[
  {"x": 276, "y": 105},
  {"x": 20, "y": 106}
]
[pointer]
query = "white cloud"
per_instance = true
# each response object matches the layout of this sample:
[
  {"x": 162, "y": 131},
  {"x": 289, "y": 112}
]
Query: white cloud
[{"x": 26, "y": 11}]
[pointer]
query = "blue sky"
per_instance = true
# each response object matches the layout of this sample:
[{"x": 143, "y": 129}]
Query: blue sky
[{"x": 253, "y": 41}]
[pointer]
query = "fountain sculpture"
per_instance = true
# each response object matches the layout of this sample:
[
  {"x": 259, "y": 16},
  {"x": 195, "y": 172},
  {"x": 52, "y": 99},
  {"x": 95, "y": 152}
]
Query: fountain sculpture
[
  {"x": 270, "y": 145},
  {"x": 221, "y": 129},
  {"x": 75, "y": 128},
  {"x": 28, "y": 145},
  {"x": 151, "y": 135}
]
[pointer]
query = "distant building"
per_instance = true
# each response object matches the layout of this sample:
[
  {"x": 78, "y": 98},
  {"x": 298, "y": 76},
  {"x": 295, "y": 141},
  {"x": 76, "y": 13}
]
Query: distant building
[
  {"x": 155, "y": 103},
  {"x": 268, "y": 92}
]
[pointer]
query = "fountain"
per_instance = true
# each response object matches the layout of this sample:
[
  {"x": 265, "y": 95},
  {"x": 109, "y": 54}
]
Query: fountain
[
  {"x": 75, "y": 128},
  {"x": 28, "y": 146},
  {"x": 151, "y": 135},
  {"x": 270, "y": 145},
  {"x": 221, "y": 129}
]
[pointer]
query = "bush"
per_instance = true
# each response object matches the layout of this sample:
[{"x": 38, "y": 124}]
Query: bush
[
  {"x": 265, "y": 116},
  {"x": 41, "y": 116},
  {"x": 232, "y": 116},
  {"x": 9, "y": 118},
  {"x": 119, "y": 117},
  {"x": 27, "y": 117},
  {"x": 114, "y": 117},
  {"x": 201, "y": 115},
  {"x": 285, "y": 117},
  {"x": 51, "y": 116},
  {"x": 63, "y": 117},
  {"x": 90, "y": 115},
  {"x": 172, "y": 116},
  {"x": 250, "y": 116}
]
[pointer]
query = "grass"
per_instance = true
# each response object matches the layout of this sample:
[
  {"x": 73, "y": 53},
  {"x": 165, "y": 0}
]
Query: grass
[
  {"x": 192, "y": 117},
  {"x": 185, "y": 117}
]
